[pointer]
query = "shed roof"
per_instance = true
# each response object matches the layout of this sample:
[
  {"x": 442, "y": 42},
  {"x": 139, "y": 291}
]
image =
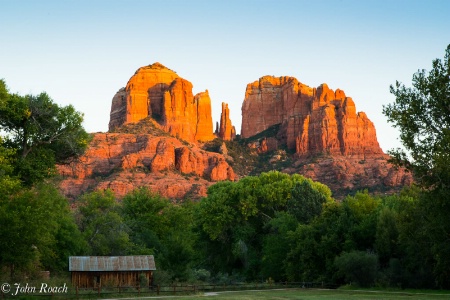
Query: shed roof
[{"x": 112, "y": 263}]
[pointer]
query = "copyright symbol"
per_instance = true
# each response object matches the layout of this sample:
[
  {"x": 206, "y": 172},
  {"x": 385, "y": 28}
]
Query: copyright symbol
[{"x": 5, "y": 288}]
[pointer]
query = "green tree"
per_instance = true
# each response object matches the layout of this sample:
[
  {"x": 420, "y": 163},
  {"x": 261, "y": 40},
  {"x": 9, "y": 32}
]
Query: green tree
[
  {"x": 386, "y": 237},
  {"x": 362, "y": 213},
  {"x": 8, "y": 182},
  {"x": 102, "y": 226},
  {"x": 304, "y": 260},
  {"x": 162, "y": 228},
  {"x": 234, "y": 219},
  {"x": 40, "y": 132},
  {"x": 33, "y": 224},
  {"x": 306, "y": 201},
  {"x": 422, "y": 114},
  {"x": 341, "y": 227},
  {"x": 275, "y": 244}
]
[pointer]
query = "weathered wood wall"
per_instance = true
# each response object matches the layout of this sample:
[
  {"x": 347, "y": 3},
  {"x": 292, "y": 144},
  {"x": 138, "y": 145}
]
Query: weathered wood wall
[{"x": 119, "y": 278}]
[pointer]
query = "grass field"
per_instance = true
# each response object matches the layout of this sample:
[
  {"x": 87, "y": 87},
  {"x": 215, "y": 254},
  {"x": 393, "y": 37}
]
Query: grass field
[{"x": 313, "y": 294}]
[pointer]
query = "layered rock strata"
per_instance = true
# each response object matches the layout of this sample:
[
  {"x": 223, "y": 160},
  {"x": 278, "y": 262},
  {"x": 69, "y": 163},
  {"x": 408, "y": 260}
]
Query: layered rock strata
[
  {"x": 123, "y": 162},
  {"x": 313, "y": 120}
]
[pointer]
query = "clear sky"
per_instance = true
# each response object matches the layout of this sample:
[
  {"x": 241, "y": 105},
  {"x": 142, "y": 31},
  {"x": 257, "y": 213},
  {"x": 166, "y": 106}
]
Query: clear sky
[{"x": 83, "y": 52}]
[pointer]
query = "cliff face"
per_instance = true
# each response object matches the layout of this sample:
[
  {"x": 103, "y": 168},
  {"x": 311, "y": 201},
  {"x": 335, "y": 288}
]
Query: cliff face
[
  {"x": 123, "y": 162},
  {"x": 158, "y": 92},
  {"x": 185, "y": 116},
  {"x": 313, "y": 120}
]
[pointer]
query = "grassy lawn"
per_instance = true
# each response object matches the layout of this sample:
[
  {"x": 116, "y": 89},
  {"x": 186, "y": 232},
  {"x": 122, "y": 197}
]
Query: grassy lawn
[
  {"x": 292, "y": 293},
  {"x": 306, "y": 294}
]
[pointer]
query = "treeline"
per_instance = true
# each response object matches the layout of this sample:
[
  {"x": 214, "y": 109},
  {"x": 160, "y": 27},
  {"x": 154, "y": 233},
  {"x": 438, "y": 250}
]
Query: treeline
[{"x": 274, "y": 227}]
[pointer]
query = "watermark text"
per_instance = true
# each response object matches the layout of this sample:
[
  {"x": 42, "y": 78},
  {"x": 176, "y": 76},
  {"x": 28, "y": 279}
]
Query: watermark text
[{"x": 44, "y": 288}]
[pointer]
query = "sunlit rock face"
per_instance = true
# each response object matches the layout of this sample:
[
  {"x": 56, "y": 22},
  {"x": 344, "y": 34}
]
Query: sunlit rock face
[
  {"x": 158, "y": 92},
  {"x": 122, "y": 162},
  {"x": 313, "y": 120},
  {"x": 226, "y": 131}
]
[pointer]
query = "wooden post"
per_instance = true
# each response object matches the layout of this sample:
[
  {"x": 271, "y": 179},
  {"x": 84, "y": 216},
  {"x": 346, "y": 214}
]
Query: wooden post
[
  {"x": 99, "y": 289},
  {"x": 157, "y": 289},
  {"x": 76, "y": 291}
]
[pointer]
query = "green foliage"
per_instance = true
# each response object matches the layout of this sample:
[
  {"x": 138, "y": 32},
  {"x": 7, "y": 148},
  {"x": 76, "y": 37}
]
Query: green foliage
[
  {"x": 341, "y": 227},
  {"x": 161, "y": 228},
  {"x": 357, "y": 267},
  {"x": 40, "y": 133},
  {"x": 423, "y": 240},
  {"x": 304, "y": 260},
  {"x": 102, "y": 225},
  {"x": 361, "y": 214},
  {"x": 421, "y": 113},
  {"x": 235, "y": 218},
  {"x": 275, "y": 243},
  {"x": 201, "y": 275},
  {"x": 33, "y": 227},
  {"x": 8, "y": 182},
  {"x": 269, "y": 132},
  {"x": 37, "y": 229},
  {"x": 386, "y": 237},
  {"x": 306, "y": 201},
  {"x": 144, "y": 126}
]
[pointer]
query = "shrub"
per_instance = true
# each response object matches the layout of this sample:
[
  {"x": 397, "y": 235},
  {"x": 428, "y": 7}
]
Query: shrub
[{"x": 357, "y": 267}]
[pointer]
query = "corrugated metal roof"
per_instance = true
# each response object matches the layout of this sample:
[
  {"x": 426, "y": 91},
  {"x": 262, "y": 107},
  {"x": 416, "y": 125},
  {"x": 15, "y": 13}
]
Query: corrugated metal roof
[{"x": 112, "y": 263}]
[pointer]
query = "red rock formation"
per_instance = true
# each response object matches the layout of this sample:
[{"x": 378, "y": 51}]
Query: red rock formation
[
  {"x": 263, "y": 146},
  {"x": 344, "y": 173},
  {"x": 312, "y": 120},
  {"x": 164, "y": 158},
  {"x": 204, "y": 128},
  {"x": 227, "y": 131},
  {"x": 178, "y": 111},
  {"x": 142, "y": 96},
  {"x": 124, "y": 162},
  {"x": 158, "y": 92}
]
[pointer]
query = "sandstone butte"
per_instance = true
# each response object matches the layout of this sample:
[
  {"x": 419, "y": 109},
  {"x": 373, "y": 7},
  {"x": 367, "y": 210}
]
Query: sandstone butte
[
  {"x": 158, "y": 92},
  {"x": 313, "y": 120}
]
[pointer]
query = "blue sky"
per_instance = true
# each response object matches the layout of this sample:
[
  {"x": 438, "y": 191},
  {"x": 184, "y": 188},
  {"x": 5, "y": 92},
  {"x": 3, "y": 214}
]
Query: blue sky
[{"x": 82, "y": 52}]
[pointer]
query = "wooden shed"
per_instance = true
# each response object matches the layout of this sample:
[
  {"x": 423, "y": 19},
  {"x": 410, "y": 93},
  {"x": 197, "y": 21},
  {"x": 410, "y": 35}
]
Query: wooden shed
[{"x": 95, "y": 271}]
